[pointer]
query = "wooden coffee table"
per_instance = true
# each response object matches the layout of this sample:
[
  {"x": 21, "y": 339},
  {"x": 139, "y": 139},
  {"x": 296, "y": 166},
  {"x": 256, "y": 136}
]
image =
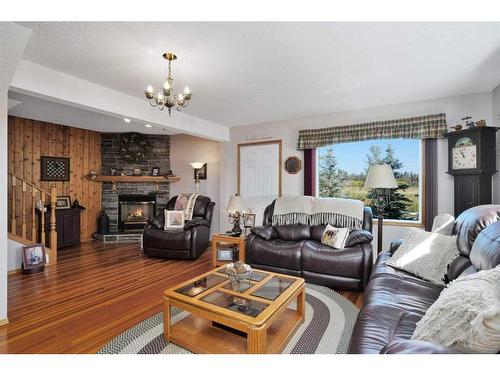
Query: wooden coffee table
[{"x": 257, "y": 320}]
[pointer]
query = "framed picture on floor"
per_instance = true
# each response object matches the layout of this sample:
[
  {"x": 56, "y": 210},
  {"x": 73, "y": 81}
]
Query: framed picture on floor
[{"x": 34, "y": 258}]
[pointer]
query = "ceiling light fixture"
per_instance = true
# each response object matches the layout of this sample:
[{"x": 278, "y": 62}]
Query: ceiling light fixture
[
  {"x": 127, "y": 120},
  {"x": 165, "y": 96},
  {"x": 148, "y": 125}
]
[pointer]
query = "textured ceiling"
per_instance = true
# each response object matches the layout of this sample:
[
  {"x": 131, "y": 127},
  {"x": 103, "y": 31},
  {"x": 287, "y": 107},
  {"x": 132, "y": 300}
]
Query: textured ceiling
[{"x": 244, "y": 73}]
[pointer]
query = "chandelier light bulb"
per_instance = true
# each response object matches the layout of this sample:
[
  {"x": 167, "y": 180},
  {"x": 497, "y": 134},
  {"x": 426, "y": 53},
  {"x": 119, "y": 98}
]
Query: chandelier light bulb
[
  {"x": 166, "y": 85},
  {"x": 160, "y": 99},
  {"x": 187, "y": 93},
  {"x": 149, "y": 92}
]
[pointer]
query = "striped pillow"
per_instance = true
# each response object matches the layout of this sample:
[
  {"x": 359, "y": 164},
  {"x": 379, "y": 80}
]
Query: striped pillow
[{"x": 334, "y": 237}]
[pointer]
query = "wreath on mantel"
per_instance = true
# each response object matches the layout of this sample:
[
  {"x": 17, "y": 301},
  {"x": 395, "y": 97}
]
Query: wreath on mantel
[{"x": 135, "y": 147}]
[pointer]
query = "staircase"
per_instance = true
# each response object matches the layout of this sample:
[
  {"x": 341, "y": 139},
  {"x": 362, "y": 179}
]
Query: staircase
[{"x": 25, "y": 226}]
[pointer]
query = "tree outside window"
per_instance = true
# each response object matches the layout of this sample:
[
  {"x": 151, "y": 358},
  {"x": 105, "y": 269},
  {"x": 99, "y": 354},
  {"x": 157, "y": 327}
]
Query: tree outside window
[{"x": 342, "y": 170}]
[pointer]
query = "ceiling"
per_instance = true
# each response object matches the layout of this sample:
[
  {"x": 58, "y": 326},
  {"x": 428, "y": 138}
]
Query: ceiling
[
  {"x": 31, "y": 107},
  {"x": 247, "y": 73}
]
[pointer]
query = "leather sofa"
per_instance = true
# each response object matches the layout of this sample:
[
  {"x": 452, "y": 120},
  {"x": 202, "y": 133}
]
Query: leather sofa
[
  {"x": 394, "y": 300},
  {"x": 187, "y": 243},
  {"x": 297, "y": 250}
]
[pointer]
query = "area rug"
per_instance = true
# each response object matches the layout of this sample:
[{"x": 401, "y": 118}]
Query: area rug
[{"x": 327, "y": 329}]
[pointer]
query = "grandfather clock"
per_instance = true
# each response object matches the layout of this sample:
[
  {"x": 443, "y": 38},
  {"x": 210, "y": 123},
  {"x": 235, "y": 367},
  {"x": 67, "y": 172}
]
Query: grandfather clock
[{"x": 472, "y": 161}]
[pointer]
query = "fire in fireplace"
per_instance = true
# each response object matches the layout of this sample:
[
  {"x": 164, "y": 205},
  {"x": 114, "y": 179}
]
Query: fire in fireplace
[{"x": 135, "y": 210}]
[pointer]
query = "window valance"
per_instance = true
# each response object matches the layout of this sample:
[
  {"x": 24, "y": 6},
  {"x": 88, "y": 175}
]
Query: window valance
[{"x": 421, "y": 127}]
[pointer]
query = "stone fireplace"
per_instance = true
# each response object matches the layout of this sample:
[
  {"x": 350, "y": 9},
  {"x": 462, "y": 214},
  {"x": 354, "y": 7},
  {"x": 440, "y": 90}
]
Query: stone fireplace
[
  {"x": 144, "y": 191},
  {"x": 134, "y": 210}
]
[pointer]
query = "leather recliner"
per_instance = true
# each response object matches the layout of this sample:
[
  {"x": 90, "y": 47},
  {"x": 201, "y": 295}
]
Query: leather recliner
[
  {"x": 394, "y": 300},
  {"x": 187, "y": 243},
  {"x": 297, "y": 250}
]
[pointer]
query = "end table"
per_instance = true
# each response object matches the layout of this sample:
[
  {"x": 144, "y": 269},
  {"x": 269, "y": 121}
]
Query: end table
[{"x": 227, "y": 244}]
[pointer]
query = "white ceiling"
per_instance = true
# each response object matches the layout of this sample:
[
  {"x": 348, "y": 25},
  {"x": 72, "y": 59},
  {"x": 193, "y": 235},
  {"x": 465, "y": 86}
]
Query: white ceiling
[
  {"x": 43, "y": 110},
  {"x": 245, "y": 73}
]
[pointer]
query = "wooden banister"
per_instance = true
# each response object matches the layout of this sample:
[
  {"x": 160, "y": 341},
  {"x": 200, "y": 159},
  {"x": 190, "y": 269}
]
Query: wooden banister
[
  {"x": 19, "y": 209},
  {"x": 53, "y": 231},
  {"x": 14, "y": 177}
]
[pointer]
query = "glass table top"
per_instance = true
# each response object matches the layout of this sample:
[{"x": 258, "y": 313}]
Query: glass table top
[
  {"x": 254, "y": 276},
  {"x": 273, "y": 288},
  {"x": 200, "y": 285},
  {"x": 242, "y": 286},
  {"x": 235, "y": 303}
]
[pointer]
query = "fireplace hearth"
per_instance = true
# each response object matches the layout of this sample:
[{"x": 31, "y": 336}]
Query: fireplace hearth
[{"x": 134, "y": 210}]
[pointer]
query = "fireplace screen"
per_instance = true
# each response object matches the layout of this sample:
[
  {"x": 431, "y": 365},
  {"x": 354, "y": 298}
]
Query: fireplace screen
[{"x": 135, "y": 210}]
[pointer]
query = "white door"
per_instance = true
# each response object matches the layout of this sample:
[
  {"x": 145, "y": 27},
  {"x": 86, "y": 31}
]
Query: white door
[{"x": 260, "y": 171}]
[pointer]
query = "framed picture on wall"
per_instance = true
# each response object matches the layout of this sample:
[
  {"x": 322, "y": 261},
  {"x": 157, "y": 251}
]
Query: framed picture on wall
[
  {"x": 54, "y": 168},
  {"x": 202, "y": 172}
]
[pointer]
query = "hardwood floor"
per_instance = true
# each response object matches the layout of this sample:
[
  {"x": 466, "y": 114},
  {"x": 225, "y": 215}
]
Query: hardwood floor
[{"x": 94, "y": 293}]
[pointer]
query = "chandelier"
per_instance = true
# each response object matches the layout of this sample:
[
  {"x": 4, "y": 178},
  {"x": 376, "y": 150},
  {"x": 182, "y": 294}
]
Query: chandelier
[{"x": 166, "y": 98}]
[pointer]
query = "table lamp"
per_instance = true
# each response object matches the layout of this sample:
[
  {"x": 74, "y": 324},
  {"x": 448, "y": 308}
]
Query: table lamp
[
  {"x": 197, "y": 165},
  {"x": 381, "y": 178},
  {"x": 235, "y": 208}
]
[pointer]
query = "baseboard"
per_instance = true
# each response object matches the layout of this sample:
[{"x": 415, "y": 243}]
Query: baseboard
[
  {"x": 4, "y": 322},
  {"x": 14, "y": 272}
]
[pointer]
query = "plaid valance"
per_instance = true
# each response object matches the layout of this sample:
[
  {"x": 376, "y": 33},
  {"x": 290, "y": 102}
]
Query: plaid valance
[{"x": 421, "y": 127}]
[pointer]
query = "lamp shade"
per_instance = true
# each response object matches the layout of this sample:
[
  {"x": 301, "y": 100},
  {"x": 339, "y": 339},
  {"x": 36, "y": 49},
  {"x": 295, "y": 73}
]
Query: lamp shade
[
  {"x": 236, "y": 204},
  {"x": 197, "y": 164},
  {"x": 380, "y": 176}
]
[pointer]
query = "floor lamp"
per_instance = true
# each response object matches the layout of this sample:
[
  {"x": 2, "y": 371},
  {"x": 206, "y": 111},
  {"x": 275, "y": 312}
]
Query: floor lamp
[
  {"x": 197, "y": 165},
  {"x": 381, "y": 178}
]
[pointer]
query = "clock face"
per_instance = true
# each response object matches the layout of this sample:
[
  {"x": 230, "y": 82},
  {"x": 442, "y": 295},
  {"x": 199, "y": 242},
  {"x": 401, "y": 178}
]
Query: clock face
[{"x": 464, "y": 157}]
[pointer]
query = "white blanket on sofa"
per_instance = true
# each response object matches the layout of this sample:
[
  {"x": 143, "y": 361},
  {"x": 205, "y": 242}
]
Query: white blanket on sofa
[{"x": 339, "y": 212}]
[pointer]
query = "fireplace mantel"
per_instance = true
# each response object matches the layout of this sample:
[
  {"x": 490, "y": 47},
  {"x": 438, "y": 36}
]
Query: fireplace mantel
[{"x": 116, "y": 179}]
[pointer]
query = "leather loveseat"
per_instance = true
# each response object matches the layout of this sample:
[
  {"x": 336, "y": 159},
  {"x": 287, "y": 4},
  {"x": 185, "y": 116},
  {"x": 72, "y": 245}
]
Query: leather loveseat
[
  {"x": 187, "y": 243},
  {"x": 394, "y": 300},
  {"x": 297, "y": 250}
]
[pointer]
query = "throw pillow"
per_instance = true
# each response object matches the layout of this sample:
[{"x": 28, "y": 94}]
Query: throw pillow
[
  {"x": 466, "y": 316},
  {"x": 334, "y": 237},
  {"x": 443, "y": 224},
  {"x": 425, "y": 254}
]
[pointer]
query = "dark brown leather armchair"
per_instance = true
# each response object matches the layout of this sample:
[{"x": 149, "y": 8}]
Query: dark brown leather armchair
[
  {"x": 187, "y": 243},
  {"x": 297, "y": 250}
]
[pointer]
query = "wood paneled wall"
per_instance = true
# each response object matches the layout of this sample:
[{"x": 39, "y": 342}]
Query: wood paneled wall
[{"x": 30, "y": 139}]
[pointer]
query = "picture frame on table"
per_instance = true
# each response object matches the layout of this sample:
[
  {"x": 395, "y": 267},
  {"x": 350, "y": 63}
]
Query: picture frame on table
[
  {"x": 155, "y": 171},
  {"x": 63, "y": 202},
  {"x": 249, "y": 220}
]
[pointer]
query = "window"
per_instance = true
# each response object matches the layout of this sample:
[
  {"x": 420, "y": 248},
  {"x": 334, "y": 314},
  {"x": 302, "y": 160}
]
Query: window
[{"x": 342, "y": 169}]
